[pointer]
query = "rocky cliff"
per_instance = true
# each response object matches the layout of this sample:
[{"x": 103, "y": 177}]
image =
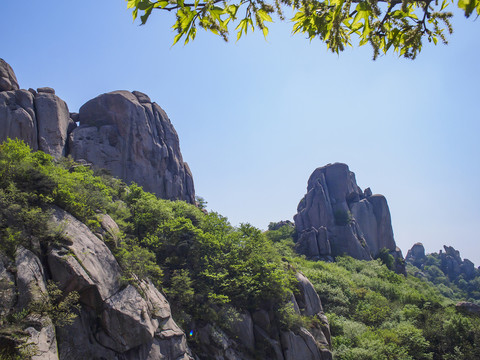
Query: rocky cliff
[
  {"x": 118, "y": 317},
  {"x": 116, "y": 320},
  {"x": 336, "y": 217},
  {"x": 123, "y": 132},
  {"x": 119, "y": 321}
]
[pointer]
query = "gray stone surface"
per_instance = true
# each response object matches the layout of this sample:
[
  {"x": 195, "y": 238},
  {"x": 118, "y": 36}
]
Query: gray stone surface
[
  {"x": 8, "y": 80},
  {"x": 30, "y": 278},
  {"x": 136, "y": 323},
  {"x": 300, "y": 346},
  {"x": 31, "y": 286},
  {"x": 17, "y": 117},
  {"x": 43, "y": 340},
  {"x": 451, "y": 262},
  {"x": 134, "y": 140},
  {"x": 336, "y": 217},
  {"x": 469, "y": 307},
  {"x": 88, "y": 266},
  {"x": 307, "y": 298},
  {"x": 126, "y": 321},
  {"x": 53, "y": 119},
  {"x": 46, "y": 90}
]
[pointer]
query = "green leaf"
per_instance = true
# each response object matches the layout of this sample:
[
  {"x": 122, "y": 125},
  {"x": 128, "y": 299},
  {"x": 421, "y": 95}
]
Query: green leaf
[
  {"x": 132, "y": 3},
  {"x": 144, "y": 5},
  {"x": 160, "y": 4},
  {"x": 468, "y": 6},
  {"x": 176, "y": 38},
  {"x": 265, "y": 31},
  {"x": 264, "y": 15}
]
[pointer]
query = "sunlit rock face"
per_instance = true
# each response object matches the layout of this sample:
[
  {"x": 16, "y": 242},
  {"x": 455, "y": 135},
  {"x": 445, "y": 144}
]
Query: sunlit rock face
[
  {"x": 132, "y": 137},
  {"x": 123, "y": 132},
  {"x": 336, "y": 218}
]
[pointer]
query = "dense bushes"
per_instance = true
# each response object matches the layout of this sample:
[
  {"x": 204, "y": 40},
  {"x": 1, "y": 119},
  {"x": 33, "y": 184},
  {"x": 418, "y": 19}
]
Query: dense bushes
[{"x": 209, "y": 269}]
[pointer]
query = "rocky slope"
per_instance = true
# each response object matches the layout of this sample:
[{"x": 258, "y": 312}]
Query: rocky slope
[
  {"x": 125, "y": 322},
  {"x": 336, "y": 217},
  {"x": 117, "y": 319},
  {"x": 121, "y": 131}
]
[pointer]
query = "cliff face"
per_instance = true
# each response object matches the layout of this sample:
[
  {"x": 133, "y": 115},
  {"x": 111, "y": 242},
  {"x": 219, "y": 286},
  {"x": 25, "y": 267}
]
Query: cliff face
[
  {"x": 121, "y": 131},
  {"x": 336, "y": 217},
  {"x": 118, "y": 320}
]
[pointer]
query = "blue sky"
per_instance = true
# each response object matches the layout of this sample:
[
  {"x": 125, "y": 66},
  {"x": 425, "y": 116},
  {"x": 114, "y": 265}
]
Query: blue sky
[{"x": 255, "y": 118}]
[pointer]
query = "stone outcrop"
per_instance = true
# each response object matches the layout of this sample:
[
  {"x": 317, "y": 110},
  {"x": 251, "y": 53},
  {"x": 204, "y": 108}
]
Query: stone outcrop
[
  {"x": 132, "y": 137},
  {"x": 416, "y": 255},
  {"x": 451, "y": 264},
  {"x": 258, "y": 334},
  {"x": 336, "y": 217},
  {"x": 115, "y": 321},
  {"x": 53, "y": 119},
  {"x": 468, "y": 307},
  {"x": 8, "y": 80},
  {"x": 23, "y": 282},
  {"x": 123, "y": 132}
]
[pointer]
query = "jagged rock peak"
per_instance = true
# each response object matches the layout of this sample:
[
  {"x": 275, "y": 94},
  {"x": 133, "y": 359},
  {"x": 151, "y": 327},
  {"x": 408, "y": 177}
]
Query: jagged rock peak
[
  {"x": 123, "y": 132},
  {"x": 451, "y": 262},
  {"x": 416, "y": 254},
  {"x": 336, "y": 217}
]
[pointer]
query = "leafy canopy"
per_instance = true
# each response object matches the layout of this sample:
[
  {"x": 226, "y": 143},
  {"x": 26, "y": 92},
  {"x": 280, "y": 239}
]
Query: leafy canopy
[{"x": 398, "y": 25}]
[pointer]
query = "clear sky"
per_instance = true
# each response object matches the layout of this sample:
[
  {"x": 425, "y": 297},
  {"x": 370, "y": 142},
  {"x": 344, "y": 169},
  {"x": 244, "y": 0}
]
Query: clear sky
[{"x": 255, "y": 118}]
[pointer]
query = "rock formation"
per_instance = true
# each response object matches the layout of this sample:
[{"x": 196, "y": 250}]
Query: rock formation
[
  {"x": 8, "y": 80},
  {"x": 336, "y": 217},
  {"x": 257, "y": 335},
  {"x": 121, "y": 131},
  {"x": 450, "y": 262},
  {"x": 116, "y": 321},
  {"x": 133, "y": 138}
]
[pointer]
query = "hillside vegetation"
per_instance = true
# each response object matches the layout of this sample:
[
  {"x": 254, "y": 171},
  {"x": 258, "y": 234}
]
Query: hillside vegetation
[
  {"x": 376, "y": 314},
  {"x": 212, "y": 271}
]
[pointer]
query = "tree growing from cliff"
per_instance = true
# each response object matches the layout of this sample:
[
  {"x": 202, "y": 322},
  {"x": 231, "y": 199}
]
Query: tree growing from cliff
[{"x": 387, "y": 25}]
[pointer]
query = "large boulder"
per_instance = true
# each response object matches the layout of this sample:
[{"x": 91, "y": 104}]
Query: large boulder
[
  {"x": 18, "y": 118},
  {"x": 86, "y": 265},
  {"x": 336, "y": 217},
  {"x": 134, "y": 139},
  {"x": 416, "y": 255},
  {"x": 53, "y": 120},
  {"x": 8, "y": 80},
  {"x": 115, "y": 321},
  {"x": 123, "y": 132},
  {"x": 31, "y": 286}
]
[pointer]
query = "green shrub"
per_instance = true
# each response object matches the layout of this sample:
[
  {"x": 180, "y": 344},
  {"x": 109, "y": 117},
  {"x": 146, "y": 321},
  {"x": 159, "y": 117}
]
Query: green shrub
[{"x": 342, "y": 217}]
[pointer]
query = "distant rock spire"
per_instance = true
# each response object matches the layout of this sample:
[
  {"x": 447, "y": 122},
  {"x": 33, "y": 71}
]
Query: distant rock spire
[{"x": 336, "y": 217}]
